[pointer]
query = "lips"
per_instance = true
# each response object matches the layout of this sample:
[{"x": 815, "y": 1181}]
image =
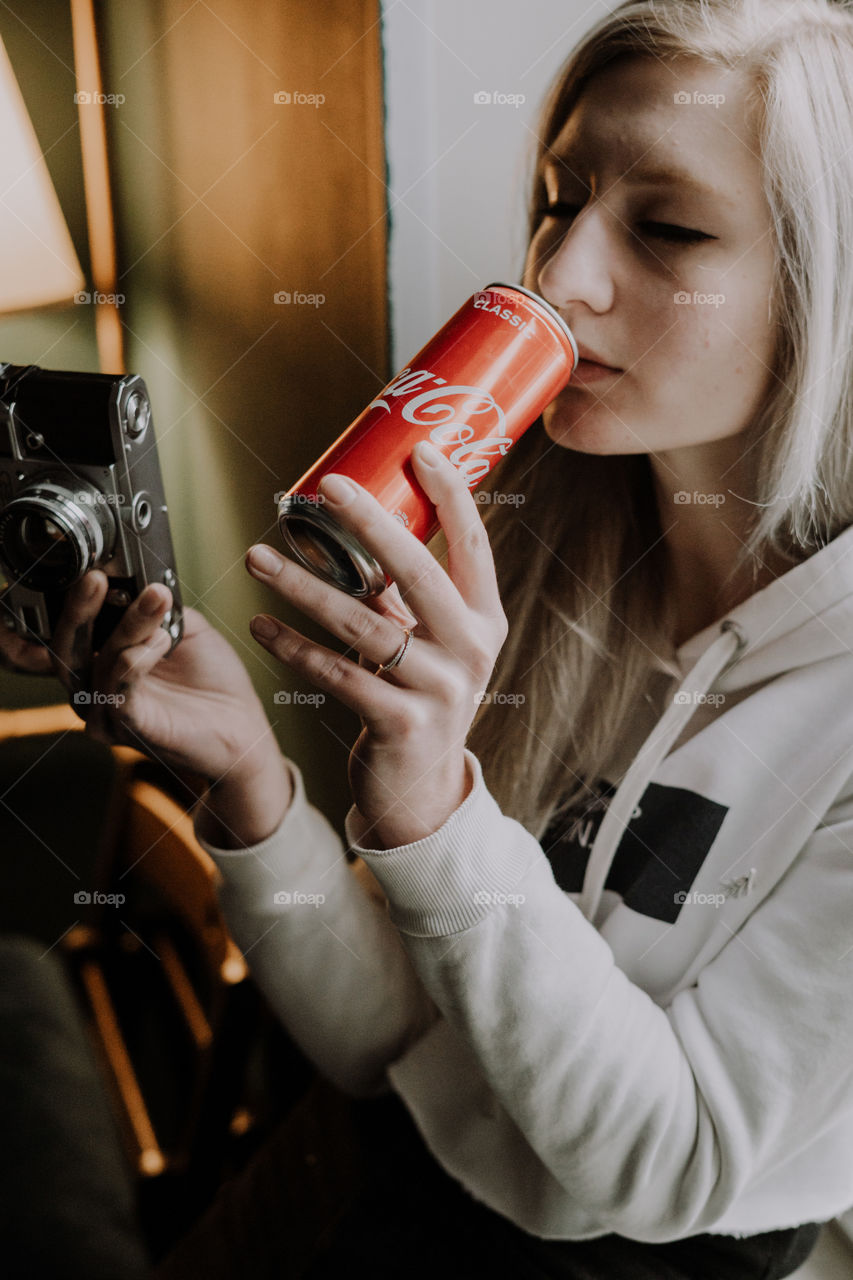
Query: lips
[{"x": 590, "y": 357}]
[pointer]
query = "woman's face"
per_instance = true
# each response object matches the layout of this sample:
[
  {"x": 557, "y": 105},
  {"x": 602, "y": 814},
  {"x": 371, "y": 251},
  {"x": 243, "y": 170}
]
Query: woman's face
[{"x": 665, "y": 279}]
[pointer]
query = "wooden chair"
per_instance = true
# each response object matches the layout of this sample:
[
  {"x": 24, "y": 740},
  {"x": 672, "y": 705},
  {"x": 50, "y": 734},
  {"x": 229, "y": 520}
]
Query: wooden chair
[
  {"x": 199, "y": 1071},
  {"x": 164, "y": 986}
]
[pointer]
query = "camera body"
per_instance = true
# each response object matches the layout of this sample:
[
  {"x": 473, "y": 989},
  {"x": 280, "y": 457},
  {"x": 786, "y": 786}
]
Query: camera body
[{"x": 80, "y": 489}]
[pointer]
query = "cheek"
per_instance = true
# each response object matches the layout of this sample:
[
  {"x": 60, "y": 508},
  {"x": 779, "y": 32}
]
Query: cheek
[
  {"x": 734, "y": 325},
  {"x": 757, "y": 339},
  {"x": 734, "y": 345},
  {"x": 706, "y": 337},
  {"x": 707, "y": 378}
]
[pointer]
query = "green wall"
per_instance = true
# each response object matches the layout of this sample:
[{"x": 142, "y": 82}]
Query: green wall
[{"x": 245, "y": 393}]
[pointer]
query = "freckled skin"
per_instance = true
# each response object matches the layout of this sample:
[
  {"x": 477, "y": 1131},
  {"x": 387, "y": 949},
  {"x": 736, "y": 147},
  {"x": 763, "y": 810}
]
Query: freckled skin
[{"x": 616, "y": 284}]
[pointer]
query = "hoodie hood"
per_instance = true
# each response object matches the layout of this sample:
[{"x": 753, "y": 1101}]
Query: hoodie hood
[{"x": 802, "y": 617}]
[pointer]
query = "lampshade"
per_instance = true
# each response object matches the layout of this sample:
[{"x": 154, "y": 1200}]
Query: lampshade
[{"x": 38, "y": 264}]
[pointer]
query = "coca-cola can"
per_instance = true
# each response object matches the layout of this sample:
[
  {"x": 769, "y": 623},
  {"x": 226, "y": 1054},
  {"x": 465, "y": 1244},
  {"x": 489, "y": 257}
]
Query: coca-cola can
[{"x": 472, "y": 391}]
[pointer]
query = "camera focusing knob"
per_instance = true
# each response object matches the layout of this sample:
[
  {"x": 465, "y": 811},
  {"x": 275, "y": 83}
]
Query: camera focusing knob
[
  {"x": 118, "y": 597},
  {"x": 34, "y": 440},
  {"x": 137, "y": 415}
]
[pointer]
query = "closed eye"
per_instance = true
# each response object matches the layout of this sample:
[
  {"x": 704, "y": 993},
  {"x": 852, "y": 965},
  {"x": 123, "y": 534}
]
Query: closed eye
[
  {"x": 668, "y": 231},
  {"x": 676, "y": 234}
]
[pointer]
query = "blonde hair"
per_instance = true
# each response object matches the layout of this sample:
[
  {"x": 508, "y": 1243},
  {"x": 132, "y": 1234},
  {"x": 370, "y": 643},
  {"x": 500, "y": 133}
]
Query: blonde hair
[{"x": 584, "y": 581}]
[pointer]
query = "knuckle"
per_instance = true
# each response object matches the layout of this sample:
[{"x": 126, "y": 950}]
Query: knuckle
[
  {"x": 328, "y": 668},
  {"x": 355, "y": 627},
  {"x": 401, "y": 725},
  {"x": 409, "y": 721},
  {"x": 293, "y": 648},
  {"x": 475, "y": 540},
  {"x": 454, "y": 689},
  {"x": 480, "y": 661},
  {"x": 431, "y": 576}
]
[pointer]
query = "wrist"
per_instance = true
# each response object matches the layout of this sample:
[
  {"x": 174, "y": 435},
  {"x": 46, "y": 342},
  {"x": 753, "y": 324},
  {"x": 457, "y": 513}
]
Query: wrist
[
  {"x": 436, "y": 803},
  {"x": 248, "y": 803}
]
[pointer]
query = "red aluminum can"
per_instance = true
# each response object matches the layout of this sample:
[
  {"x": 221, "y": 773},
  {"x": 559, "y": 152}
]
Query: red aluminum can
[{"x": 472, "y": 391}]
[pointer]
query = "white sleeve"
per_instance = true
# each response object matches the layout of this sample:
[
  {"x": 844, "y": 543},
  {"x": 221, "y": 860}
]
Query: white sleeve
[
  {"x": 654, "y": 1120},
  {"x": 322, "y": 948}
]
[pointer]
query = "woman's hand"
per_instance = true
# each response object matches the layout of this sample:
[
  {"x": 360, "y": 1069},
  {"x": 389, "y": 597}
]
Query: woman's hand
[
  {"x": 194, "y": 708},
  {"x": 407, "y": 768}
]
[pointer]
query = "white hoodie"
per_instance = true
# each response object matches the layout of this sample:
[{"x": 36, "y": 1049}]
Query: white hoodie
[{"x": 665, "y": 1048}]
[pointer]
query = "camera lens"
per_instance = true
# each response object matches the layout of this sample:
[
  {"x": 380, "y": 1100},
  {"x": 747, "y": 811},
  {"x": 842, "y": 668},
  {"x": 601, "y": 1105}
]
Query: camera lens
[
  {"x": 42, "y": 539},
  {"x": 51, "y": 535}
]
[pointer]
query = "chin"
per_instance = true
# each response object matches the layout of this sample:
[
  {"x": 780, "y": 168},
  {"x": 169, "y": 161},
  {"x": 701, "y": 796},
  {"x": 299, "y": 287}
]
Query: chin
[{"x": 589, "y": 430}]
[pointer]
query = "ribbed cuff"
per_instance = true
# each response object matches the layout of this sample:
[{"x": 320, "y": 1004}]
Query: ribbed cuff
[{"x": 451, "y": 880}]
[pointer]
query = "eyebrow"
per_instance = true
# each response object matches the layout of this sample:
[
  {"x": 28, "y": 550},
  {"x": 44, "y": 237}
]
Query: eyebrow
[{"x": 660, "y": 176}]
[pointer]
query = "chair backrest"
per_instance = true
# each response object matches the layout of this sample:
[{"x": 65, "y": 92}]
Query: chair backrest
[
  {"x": 164, "y": 954},
  {"x": 158, "y": 845}
]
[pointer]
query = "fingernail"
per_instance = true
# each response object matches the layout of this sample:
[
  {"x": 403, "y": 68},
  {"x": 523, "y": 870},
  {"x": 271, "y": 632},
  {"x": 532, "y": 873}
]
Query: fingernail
[
  {"x": 264, "y": 560},
  {"x": 337, "y": 490},
  {"x": 263, "y": 627},
  {"x": 427, "y": 454}
]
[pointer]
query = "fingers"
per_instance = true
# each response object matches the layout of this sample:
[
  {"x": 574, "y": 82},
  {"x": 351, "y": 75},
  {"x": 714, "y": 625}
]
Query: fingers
[
  {"x": 457, "y": 614},
  {"x": 27, "y": 657},
  {"x": 375, "y": 635},
  {"x": 470, "y": 562},
  {"x": 354, "y": 686},
  {"x": 440, "y": 601},
  {"x": 138, "y": 642},
  {"x": 392, "y": 605},
  {"x": 141, "y": 619},
  {"x": 71, "y": 646}
]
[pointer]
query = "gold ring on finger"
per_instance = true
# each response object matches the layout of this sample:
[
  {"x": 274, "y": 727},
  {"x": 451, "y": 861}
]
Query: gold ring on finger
[{"x": 398, "y": 656}]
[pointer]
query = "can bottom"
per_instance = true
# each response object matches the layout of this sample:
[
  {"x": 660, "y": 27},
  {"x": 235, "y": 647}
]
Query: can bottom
[{"x": 327, "y": 550}]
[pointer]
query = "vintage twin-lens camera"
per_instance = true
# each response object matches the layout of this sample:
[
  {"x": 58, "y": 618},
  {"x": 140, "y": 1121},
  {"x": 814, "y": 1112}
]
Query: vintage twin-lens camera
[{"x": 80, "y": 489}]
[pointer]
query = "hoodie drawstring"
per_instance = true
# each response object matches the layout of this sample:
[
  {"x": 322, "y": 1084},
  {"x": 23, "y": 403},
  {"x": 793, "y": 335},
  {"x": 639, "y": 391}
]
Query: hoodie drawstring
[{"x": 716, "y": 659}]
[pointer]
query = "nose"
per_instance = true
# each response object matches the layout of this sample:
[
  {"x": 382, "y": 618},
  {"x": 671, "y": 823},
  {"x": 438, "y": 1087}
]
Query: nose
[{"x": 579, "y": 270}]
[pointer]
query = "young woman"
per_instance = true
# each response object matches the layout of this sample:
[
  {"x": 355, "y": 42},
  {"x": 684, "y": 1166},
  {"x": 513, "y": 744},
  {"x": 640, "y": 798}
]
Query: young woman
[{"x": 609, "y": 969}]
